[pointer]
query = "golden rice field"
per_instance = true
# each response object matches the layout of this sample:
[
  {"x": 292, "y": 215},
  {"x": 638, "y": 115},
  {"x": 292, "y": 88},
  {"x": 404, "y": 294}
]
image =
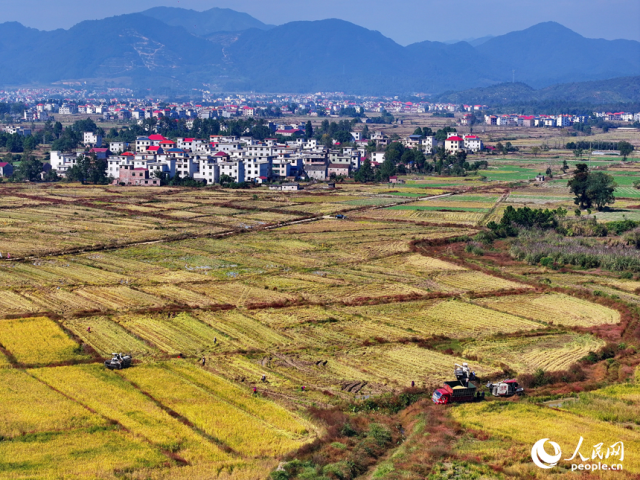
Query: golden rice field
[
  {"x": 524, "y": 424},
  {"x": 527, "y": 354},
  {"x": 554, "y": 308},
  {"x": 38, "y": 341},
  {"x": 328, "y": 304}
]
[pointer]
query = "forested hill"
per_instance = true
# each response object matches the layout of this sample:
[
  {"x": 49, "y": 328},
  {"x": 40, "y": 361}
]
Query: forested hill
[
  {"x": 231, "y": 51},
  {"x": 617, "y": 90}
]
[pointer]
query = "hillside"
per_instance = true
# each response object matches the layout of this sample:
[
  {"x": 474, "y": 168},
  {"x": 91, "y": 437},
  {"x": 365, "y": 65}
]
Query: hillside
[
  {"x": 233, "y": 51},
  {"x": 207, "y": 22},
  {"x": 617, "y": 90},
  {"x": 550, "y": 53}
]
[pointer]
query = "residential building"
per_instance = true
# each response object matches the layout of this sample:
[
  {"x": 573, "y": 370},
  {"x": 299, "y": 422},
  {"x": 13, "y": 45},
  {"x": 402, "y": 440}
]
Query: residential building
[
  {"x": 472, "y": 143},
  {"x": 6, "y": 169},
  {"x": 136, "y": 176},
  {"x": 316, "y": 172},
  {"x": 454, "y": 144}
]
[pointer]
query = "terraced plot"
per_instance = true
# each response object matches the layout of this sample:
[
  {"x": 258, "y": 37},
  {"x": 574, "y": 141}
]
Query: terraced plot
[
  {"x": 549, "y": 353},
  {"x": 232, "y": 424},
  {"x": 554, "y": 308},
  {"x": 38, "y": 341}
]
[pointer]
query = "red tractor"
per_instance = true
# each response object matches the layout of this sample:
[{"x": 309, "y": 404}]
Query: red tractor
[{"x": 505, "y": 388}]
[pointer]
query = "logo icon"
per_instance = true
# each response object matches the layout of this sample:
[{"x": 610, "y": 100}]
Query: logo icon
[{"x": 541, "y": 458}]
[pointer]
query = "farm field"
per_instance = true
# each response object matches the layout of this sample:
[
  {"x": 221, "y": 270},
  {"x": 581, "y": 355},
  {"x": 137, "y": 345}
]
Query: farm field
[{"x": 220, "y": 293}]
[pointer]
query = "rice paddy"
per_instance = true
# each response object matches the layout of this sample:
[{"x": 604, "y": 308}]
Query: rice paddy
[{"x": 215, "y": 293}]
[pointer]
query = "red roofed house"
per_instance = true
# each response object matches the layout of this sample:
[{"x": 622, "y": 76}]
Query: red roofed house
[
  {"x": 100, "y": 153},
  {"x": 137, "y": 176},
  {"x": 168, "y": 144},
  {"x": 156, "y": 139},
  {"x": 6, "y": 169},
  {"x": 472, "y": 143},
  {"x": 222, "y": 156},
  {"x": 454, "y": 144}
]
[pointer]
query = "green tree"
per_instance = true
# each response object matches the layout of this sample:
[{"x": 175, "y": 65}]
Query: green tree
[
  {"x": 418, "y": 131},
  {"x": 365, "y": 133},
  {"x": 600, "y": 189},
  {"x": 420, "y": 160},
  {"x": 408, "y": 157},
  {"x": 565, "y": 166},
  {"x": 579, "y": 184},
  {"x": 89, "y": 169},
  {"x": 365, "y": 173},
  {"x": 30, "y": 169},
  {"x": 387, "y": 169},
  {"x": 308, "y": 130},
  {"x": 535, "y": 151},
  {"x": 625, "y": 149},
  {"x": 578, "y": 152}
]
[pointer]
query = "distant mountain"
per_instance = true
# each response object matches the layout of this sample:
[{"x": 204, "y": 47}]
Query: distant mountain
[
  {"x": 231, "y": 51},
  {"x": 207, "y": 22},
  {"x": 474, "y": 42},
  {"x": 617, "y": 90},
  {"x": 135, "y": 47},
  {"x": 550, "y": 53}
]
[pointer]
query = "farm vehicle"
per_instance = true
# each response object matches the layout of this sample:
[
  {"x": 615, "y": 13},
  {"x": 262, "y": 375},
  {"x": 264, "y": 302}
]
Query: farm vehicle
[
  {"x": 505, "y": 388},
  {"x": 118, "y": 361},
  {"x": 460, "y": 390}
]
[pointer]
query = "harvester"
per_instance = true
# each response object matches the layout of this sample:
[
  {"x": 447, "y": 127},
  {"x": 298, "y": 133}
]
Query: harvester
[
  {"x": 118, "y": 361},
  {"x": 505, "y": 388},
  {"x": 461, "y": 390}
]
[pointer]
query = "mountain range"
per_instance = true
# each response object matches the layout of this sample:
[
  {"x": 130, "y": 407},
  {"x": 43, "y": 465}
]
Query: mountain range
[
  {"x": 226, "y": 50},
  {"x": 616, "y": 90}
]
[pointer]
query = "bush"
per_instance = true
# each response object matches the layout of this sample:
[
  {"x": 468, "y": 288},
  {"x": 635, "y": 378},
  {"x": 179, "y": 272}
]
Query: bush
[{"x": 379, "y": 433}]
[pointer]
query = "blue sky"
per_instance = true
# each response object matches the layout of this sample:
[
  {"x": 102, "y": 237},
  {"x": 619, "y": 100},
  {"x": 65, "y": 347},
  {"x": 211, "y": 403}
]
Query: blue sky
[{"x": 405, "y": 21}]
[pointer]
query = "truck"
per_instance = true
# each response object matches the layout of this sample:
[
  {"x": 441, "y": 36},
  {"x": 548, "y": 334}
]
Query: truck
[
  {"x": 505, "y": 388},
  {"x": 454, "y": 392}
]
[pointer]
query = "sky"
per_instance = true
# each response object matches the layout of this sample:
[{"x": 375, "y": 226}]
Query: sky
[{"x": 405, "y": 21}]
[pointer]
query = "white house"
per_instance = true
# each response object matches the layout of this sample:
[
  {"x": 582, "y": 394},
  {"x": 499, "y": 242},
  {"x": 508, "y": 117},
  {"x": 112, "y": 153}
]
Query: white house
[
  {"x": 454, "y": 144},
  {"x": 472, "y": 143},
  {"x": 61, "y": 162},
  {"x": 118, "y": 147},
  {"x": 233, "y": 169},
  {"x": 92, "y": 139}
]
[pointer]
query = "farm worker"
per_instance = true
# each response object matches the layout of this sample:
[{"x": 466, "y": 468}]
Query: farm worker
[
  {"x": 413, "y": 384},
  {"x": 8, "y": 255},
  {"x": 203, "y": 361},
  {"x": 255, "y": 390},
  {"x": 264, "y": 378},
  {"x": 303, "y": 387},
  {"x": 215, "y": 340},
  {"x": 89, "y": 329}
]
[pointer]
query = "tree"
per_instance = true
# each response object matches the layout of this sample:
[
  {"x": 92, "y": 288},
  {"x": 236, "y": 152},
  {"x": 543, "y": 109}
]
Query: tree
[
  {"x": 549, "y": 172},
  {"x": 578, "y": 152},
  {"x": 408, "y": 157},
  {"x": 89, "y": 169},
  {"x": 387, "y": 169},
  {"x": 625, "y": 149},
  {"x": 308, "y": 130},
  {"x": 30, "y": 169},
  {"x": 420, "y": 160},
  {"x": 578, "y": 185},
  {"x": 226, "y": 180},
  {"x": 365, "y": 172},
  {"x": 418, "y": 131},
  {"x": 565, "y": 166},
  {"x": 600, "y": 189},
  {"x": 535, "y": 151},
  {"x": 365, "y": 133}
]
